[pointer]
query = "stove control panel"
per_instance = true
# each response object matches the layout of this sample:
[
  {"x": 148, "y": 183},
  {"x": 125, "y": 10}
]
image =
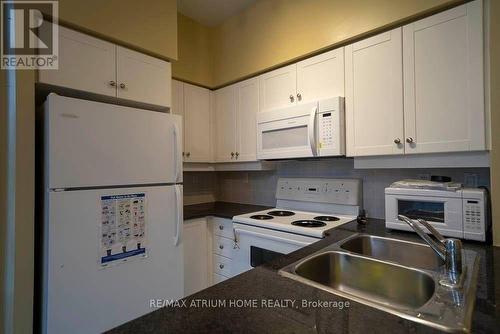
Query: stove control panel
[{"x": 319, "y": 190}]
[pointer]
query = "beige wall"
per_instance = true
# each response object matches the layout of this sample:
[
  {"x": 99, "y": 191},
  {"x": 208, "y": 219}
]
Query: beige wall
[
  {"x": 195, "y": 61},
  {"x": 149, "y": 26},
  {"x": 495, "y": 115},
  {"x": 272, "y": 32}
]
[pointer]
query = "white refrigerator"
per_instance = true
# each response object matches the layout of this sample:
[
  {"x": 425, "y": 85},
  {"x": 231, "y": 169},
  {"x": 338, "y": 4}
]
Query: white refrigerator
[{"x": 112, "y": 214}]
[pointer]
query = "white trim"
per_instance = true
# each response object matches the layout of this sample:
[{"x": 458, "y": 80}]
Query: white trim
[{"x": 440, "y": 160}]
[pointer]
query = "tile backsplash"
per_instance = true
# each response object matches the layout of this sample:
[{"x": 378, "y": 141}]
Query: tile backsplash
[{"x": 260, "y": 187}]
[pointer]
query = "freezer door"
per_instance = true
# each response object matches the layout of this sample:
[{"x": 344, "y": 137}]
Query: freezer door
[
  {"x": 98, "y": 144},
  {"x": 81, "y": 295}
]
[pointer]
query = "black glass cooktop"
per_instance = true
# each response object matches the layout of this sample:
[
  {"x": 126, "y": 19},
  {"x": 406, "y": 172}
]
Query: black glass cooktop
[
  {"x": 327, "y": 218},
  {"x": 261, "y": 217},
  {"x": 281, "y": 213},
  {"x": 308, "y": 223}
]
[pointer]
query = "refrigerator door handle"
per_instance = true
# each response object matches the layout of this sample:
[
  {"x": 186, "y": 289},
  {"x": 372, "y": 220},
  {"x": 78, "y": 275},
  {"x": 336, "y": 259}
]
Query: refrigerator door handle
[
  {"x": 178, "y": 216},
  {"x": 177, "y": 152}
]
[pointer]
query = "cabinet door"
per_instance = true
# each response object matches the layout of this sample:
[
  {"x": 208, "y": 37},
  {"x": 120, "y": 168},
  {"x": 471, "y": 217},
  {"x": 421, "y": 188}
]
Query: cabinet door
[
  {"x": 143, "y": 78},
  {"x": 197, "y": 123},
  {"x": 178, "y": 105},
  {"x": 321, "y": 76},
  {"x": 247, "y": 106},
  {"x": 443, "y": 80},
  {"x": 278, "y": 88},
  {"x": 196, "y": 264},
  {"x": 225, "y": 124},
  {"x": 85, "y": 63},
  {"x": 374, "y": 95}
]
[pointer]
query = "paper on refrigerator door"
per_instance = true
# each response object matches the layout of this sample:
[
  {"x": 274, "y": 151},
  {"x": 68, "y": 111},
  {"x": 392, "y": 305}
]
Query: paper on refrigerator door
[{"x": 122, "y": 228}]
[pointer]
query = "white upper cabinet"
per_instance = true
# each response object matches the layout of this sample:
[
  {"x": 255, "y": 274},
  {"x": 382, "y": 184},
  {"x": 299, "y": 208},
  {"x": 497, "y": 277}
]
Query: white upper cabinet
[
  {"x": 197, "y": 124},
  {"x": 311, "y": 79},
  {"x": 85, "y": 63},
  {"x": 443, "y": 81},
  {"x": 374, "y": 95},
  {"x": 96, "y": 66},
  {"x": 278, "y": 88},
  {"x": 225, "y": 124},
  {"x": 142, "y": 78},
  {"x": 247, "y": 94},
  {"x": 178, "y": 107},
  {"x": 321, "y": 76}
]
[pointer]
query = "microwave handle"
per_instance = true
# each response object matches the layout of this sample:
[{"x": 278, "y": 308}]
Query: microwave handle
[{"x": 311, "y": 132}]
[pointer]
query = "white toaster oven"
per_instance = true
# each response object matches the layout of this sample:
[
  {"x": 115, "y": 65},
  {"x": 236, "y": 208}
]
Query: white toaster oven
[{"x": 461, "y": 213}]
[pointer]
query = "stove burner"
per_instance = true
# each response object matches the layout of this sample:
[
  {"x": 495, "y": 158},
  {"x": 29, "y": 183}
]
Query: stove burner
[
  {"x": 261, "y": 217},
  {"x": 281, "y": 213},
  {"x": 327, "y": 218},
  {"x": 308, "y": 223}
]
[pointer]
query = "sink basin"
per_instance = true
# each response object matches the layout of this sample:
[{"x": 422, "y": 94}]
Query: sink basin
[
  {"x": 406, "y": 253},
  {"x": 375, "y": 280},
  {"x": 399, "y": 277}
]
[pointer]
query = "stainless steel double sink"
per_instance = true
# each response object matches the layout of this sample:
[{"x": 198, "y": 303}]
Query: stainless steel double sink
[{"x": 396, "y": 276}]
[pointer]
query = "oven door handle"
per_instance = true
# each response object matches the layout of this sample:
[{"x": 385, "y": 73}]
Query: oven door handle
[
  {"x": 311, "y": 131},
  {"x": 272, "y": 237}
]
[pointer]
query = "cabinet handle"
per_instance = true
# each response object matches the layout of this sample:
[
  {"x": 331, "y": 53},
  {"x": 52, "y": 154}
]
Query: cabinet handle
[
  {"x": 188, "y": 154},
  {"x": 183, "y": 154},
  {"x": 112, "y": 83},
  {"x": 237, "y": 154},
  {"x": 221, "y": 246},
  {"x": 232, "y": 155},
  {"x": 291, "y": 98},
  {"x": 299, "y": 97},
  {"x": 221, "y": 227},
  {"x": 397, "y": 141},
  {"x": 122, "y": 85},
  {"x": 409, "y": 140},
  {"x": 221, "y": 266}
]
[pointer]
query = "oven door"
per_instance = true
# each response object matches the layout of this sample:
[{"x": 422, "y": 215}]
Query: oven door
[
  {"x": 443, "y": 213},
  {"x": 256, "y": 246},
  {"x": 287, "y": 133}
]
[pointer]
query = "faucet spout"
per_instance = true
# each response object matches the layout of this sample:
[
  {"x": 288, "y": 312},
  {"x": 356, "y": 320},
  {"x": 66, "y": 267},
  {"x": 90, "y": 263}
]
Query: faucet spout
[
  {"x": 449, "y": 250},
  {"x": 438, "y": 248}
]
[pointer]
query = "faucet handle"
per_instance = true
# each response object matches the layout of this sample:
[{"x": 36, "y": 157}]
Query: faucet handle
[{"x": 433, "y": 231}]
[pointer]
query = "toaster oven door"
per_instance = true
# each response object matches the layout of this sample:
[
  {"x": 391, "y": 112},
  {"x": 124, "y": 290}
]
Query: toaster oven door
[{"x": 444, "y": 213}]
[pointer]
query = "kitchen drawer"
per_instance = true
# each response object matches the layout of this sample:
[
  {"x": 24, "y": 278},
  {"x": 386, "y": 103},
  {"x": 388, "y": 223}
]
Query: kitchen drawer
[
  {"x": 223, "y": 227},
  {"x": 219, "y": 278},
  {"x": 223, "y": 246},
  {"x": 222, "y": 265}
]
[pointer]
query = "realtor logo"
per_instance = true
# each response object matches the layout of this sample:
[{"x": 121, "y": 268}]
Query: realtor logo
[{"x": 28, "y": 40}]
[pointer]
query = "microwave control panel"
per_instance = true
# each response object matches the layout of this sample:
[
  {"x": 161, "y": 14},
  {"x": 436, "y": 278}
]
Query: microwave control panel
[
  {"x": 326, "y": 131},
  {"x": 474, "y": 213},
  {"x": 330, "y": 127}
]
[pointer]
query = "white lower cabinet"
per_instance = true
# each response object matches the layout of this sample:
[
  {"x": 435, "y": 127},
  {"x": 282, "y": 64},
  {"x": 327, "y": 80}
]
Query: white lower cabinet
[
  {"x": 222, "y": 248},
  {"x": 197, "y": 270},
  {"x": 208, "y": 252}
]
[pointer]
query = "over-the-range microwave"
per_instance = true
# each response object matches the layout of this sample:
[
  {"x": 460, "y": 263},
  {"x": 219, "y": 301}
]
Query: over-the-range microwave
[
  {"x": 461, "y": 213},
  {"x": 314, "y": 129}
]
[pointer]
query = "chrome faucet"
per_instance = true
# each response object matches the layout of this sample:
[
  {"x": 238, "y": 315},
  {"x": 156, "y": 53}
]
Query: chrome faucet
[{"x": 449, "y": 250}]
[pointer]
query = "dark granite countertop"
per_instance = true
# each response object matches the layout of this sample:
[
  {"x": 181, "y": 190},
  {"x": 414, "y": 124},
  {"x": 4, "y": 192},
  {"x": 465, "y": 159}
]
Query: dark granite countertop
[
  {"x": 220, "y": 209},
  {"x": 264, "y": 283}
]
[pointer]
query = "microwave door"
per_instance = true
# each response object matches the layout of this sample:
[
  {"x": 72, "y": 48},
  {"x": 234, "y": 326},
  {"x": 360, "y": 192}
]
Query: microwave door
[{"x": 292, "y": 137}]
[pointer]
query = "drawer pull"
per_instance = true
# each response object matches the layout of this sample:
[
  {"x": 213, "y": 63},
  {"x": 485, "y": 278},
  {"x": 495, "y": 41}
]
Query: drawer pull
[
  {"x": 221, "y": 266},
  {"x": 221, "y": 246},
  {"x": 221, "y": 227}
]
